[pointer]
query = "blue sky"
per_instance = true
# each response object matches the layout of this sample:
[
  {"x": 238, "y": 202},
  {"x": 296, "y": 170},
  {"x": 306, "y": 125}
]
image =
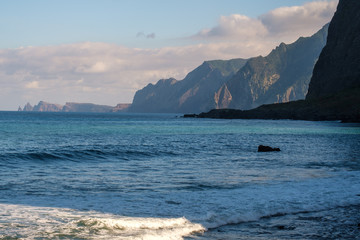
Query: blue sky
[
  {"x": 42, "y": 22},
  {"x": 103, "y": 51}
]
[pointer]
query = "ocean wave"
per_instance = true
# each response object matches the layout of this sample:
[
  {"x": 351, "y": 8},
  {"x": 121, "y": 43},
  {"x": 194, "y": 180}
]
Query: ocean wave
[
  {"x": 28, "y": 222},
  {"x": 79, "y": 155},
  {"x": 253, "y": 203}
]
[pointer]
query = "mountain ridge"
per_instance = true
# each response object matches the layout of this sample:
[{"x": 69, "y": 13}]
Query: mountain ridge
[
  {"x": 281, "y": 76},
  {"x": 334, "y": 90},
  {"x": 237, "y": 83},
  {"x": 171, "y": 95}
]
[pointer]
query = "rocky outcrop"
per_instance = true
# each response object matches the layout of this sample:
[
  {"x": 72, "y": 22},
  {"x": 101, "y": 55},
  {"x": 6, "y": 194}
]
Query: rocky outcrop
[
  {"x": 28, "y": 107},
  {"x": 344, "y": 106},
  {"x": 282, "y": 76},
  {"x": 222, "y": 97},
  {"x": 262, "y": 148},
  {"x": 334, "y": 91},
  {"x": 121, "y": 107},
  {"x": 195, "y": 93},
  {"x": 47, "y": 107},
  {"x": 338, "y": 67},
  {"x": 73, "y": 107},
  {"x": 85, "y": 107}
]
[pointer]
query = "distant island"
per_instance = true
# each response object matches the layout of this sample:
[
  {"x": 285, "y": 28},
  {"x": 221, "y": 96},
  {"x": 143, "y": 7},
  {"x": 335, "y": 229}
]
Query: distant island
[
  {"x": 334, "y": 90},
  {"x": 73, "y": 107}
]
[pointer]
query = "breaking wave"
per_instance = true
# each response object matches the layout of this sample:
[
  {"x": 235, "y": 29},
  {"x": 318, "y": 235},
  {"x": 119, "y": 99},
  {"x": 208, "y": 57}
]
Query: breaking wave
[{"x": 29, "y": 222}]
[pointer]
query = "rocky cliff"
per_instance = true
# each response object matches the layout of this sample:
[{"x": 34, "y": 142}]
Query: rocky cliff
[
  {"x": 28, "y": 107},
  {"x": 85, "y": 107},
  {"x": 121, "y": 107},
  {"x": 47, "y": 107},
  {"x": 338, "y": 67},
  {"x": 282, "y": 76},
  {"x": 194, "y": 93},
  {"x": 334, "y": 91}
]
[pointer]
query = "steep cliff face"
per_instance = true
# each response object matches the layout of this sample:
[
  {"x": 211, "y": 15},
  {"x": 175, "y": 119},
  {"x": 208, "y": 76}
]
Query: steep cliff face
[
  {"x": 155, "y": 98},
  {"x": 282, "y": 76},
  {"x": 28, "y": 107},
  {"x": 47, "y": 107},
  {"x": 338, "y": 67},
  {"x": 192, "y": 94},
  {"x": 334, "y": 91}
]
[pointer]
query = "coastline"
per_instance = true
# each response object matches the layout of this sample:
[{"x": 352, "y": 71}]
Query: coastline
[{"x": 343, "y": 106}]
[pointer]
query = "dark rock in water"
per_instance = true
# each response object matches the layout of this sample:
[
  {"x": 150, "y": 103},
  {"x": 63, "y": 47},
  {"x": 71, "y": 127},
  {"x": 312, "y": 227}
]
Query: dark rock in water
[
  {"x": 283, "y": 227},
  {"x": 173, "y": 202},
  {"x": 262, "y": 148}
]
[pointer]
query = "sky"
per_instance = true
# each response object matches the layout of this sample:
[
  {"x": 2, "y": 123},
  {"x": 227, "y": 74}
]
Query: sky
[{"x": 103, "y": 51}]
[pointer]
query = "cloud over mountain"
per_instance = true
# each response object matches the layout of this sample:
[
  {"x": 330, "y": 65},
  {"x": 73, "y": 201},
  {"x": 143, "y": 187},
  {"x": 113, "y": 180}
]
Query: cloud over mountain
[
  {"x": 303, "y": 20},
  {"x": 286, "y": 22},
  {"x": 235, "y": 25},
  {"x": 108, "y": 73}
]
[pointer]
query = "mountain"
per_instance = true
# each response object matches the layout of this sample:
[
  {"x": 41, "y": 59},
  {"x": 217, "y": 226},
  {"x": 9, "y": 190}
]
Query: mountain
[
  {"x": 339, "y": 65},
  {"x": 73, "y": 107},
  {"x": 194, "y": 93},
  {"x": 46, "y": 107},
  {"x": 281, "y": 76},
  {"x": 28, "y": 107},
  {"x": 334, "y": 90}
]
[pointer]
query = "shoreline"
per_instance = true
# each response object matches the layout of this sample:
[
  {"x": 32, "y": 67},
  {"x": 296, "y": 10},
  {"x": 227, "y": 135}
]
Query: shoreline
[{"x": 342, "y": 107}]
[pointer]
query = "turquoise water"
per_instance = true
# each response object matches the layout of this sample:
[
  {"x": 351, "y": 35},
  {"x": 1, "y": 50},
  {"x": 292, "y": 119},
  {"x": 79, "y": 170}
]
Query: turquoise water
[{"x": 156, "y": 176}]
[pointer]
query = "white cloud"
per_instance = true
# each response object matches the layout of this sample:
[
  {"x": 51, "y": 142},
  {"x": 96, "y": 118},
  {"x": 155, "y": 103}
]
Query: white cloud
[
  {"x": 281, "y": 24},
  {"x": 109, "y": 74},
  {"x": 96, "y": 72},
  {"x": 303, "y": 20},
  {"x": 235, "y": 26},
  {"x": 33, "y": 85},
  {"x": 98, "y": 67}
]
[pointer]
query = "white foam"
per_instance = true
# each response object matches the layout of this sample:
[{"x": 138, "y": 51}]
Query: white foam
[
  {"x": 28, "y": 222},
  {"x": 211, "y": 208},
  {"x": 252, "y": 203}
]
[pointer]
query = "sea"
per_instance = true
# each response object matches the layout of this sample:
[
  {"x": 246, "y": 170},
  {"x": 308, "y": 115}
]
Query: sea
[{"x": 162, "y": 176}]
